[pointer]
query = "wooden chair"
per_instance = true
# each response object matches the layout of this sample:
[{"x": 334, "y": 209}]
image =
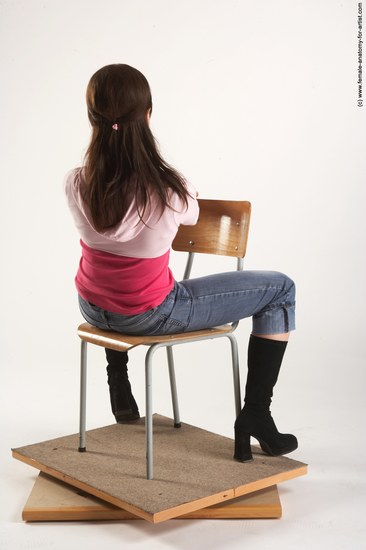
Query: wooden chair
[{"x": 222, "y": 228}]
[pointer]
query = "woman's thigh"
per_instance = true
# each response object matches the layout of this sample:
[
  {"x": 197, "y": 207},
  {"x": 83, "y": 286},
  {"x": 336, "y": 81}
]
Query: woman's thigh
[{"x": 267, "y": 296}]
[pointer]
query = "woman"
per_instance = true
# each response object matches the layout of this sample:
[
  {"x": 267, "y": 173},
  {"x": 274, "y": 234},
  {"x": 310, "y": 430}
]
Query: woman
[{"x": 128, "y": 203}]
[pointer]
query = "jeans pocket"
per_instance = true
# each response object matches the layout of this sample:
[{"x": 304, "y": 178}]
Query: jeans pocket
[
  {"x": 139, "y": 324},
  {"x": 93, "y": 314},
  {"x": 175, "y": 313}
]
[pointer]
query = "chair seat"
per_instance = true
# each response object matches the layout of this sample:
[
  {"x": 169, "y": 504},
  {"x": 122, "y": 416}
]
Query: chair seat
[{"x": 122, "y": 342}]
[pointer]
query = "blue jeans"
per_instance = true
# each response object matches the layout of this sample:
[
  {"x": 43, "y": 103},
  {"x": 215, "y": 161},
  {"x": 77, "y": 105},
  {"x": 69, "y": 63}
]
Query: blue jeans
[{"x": 193, "y": 304}]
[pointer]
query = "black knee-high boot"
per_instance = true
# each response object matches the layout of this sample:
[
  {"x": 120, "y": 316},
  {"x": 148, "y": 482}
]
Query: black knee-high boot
[
  {"x": 123, "y": 403},
  {"x": 264, "y": 362}
]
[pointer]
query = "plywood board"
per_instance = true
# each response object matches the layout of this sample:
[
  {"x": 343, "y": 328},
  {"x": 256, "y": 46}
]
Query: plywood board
[
  {"x": 193, "y": 468},
  {"x": 54, "y": 500}
]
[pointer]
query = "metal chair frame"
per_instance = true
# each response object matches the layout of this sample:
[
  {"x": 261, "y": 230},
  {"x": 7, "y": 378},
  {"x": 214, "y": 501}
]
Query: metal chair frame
[{"x": 212, "y": 234}]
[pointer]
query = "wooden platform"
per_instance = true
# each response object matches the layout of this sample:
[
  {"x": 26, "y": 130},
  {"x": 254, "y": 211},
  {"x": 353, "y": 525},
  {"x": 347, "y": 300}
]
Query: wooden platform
[
  {"x": 194, "y": 468},
  {"x": 53, "y": 500}
]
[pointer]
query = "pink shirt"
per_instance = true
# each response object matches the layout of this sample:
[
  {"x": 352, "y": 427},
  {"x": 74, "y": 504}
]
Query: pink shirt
[
  {"x": 121, "y": 284},
  {"x": 125, "y": 269}
]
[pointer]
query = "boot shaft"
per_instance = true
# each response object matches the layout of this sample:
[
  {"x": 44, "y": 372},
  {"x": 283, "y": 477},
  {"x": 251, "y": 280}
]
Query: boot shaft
[
  {"x": 123, "y": 404},
  {"x": 117, "y": 366},
  {"x": 264, "y": 363}
]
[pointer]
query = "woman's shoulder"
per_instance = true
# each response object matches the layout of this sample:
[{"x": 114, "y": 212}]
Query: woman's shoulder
[
  {"x": 185, "y": 213},
  {"x": 73, "y": 178},
  {"x": 74, "y": 184}
]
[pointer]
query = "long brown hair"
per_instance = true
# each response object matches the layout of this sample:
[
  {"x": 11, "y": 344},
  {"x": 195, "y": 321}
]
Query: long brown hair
[{"x": 122, "y": 162}]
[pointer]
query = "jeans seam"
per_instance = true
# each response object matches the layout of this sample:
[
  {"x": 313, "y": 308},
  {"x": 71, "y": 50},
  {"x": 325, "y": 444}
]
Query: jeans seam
[
  {"x": 236, "y": 292},
  {"x": 189, "y": 299}
]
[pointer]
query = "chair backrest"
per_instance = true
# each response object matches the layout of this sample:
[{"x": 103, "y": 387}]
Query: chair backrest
[{"x": 222, "y": 228}]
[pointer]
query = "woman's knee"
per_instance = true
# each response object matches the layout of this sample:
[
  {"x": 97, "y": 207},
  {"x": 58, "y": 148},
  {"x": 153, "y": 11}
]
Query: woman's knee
[{"x": 289, "y": 288}]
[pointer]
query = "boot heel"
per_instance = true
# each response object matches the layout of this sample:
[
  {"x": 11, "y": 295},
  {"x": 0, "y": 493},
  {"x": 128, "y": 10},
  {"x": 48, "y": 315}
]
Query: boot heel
[{"x": 242, "y": 449}]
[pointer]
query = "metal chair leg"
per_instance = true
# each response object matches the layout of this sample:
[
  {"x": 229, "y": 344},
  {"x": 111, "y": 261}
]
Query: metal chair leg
[
  {"x": 173, "y": 387},
  {"x": 236, "y": 374},
  {"x": 148, "y": 415},
  {"x": 82, "y": 423}
]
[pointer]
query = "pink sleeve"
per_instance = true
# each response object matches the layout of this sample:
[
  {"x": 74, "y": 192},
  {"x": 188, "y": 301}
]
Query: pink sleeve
[{"x": 187, "y": 215}]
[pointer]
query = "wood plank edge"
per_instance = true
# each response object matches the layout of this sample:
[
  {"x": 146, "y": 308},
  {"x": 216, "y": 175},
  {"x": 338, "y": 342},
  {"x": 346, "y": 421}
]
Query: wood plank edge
[
  {"x": 81, "y": 514},
  {"x": 84, "y": 487},
  {"x": 234, "y": 509},
  {"x": 193, "y": 506},
  {"x": 159, "y": 517},
  {"x": 54, "y": 514},
  {"x": 272, "y": 480}
]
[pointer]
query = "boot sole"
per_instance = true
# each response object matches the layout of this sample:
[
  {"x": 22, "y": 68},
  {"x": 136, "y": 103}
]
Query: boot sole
[{"x": 277, "y": 452}]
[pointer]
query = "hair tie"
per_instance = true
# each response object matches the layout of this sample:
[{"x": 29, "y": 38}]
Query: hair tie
[{"x": 115, "y": 126}]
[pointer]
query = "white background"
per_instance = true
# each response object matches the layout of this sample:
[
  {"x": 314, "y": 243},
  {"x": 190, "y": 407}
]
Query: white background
[{"x": 254, "y": 101}]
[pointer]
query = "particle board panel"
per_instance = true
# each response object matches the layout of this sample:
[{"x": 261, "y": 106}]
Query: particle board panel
[
  {"x": 193, "y": 468},
  {"x": 54, "y": 500}
]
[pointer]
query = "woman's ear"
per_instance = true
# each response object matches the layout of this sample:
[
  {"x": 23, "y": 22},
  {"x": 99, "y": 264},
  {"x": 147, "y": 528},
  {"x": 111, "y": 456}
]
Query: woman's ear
[{"x": 148, "y": 116}]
